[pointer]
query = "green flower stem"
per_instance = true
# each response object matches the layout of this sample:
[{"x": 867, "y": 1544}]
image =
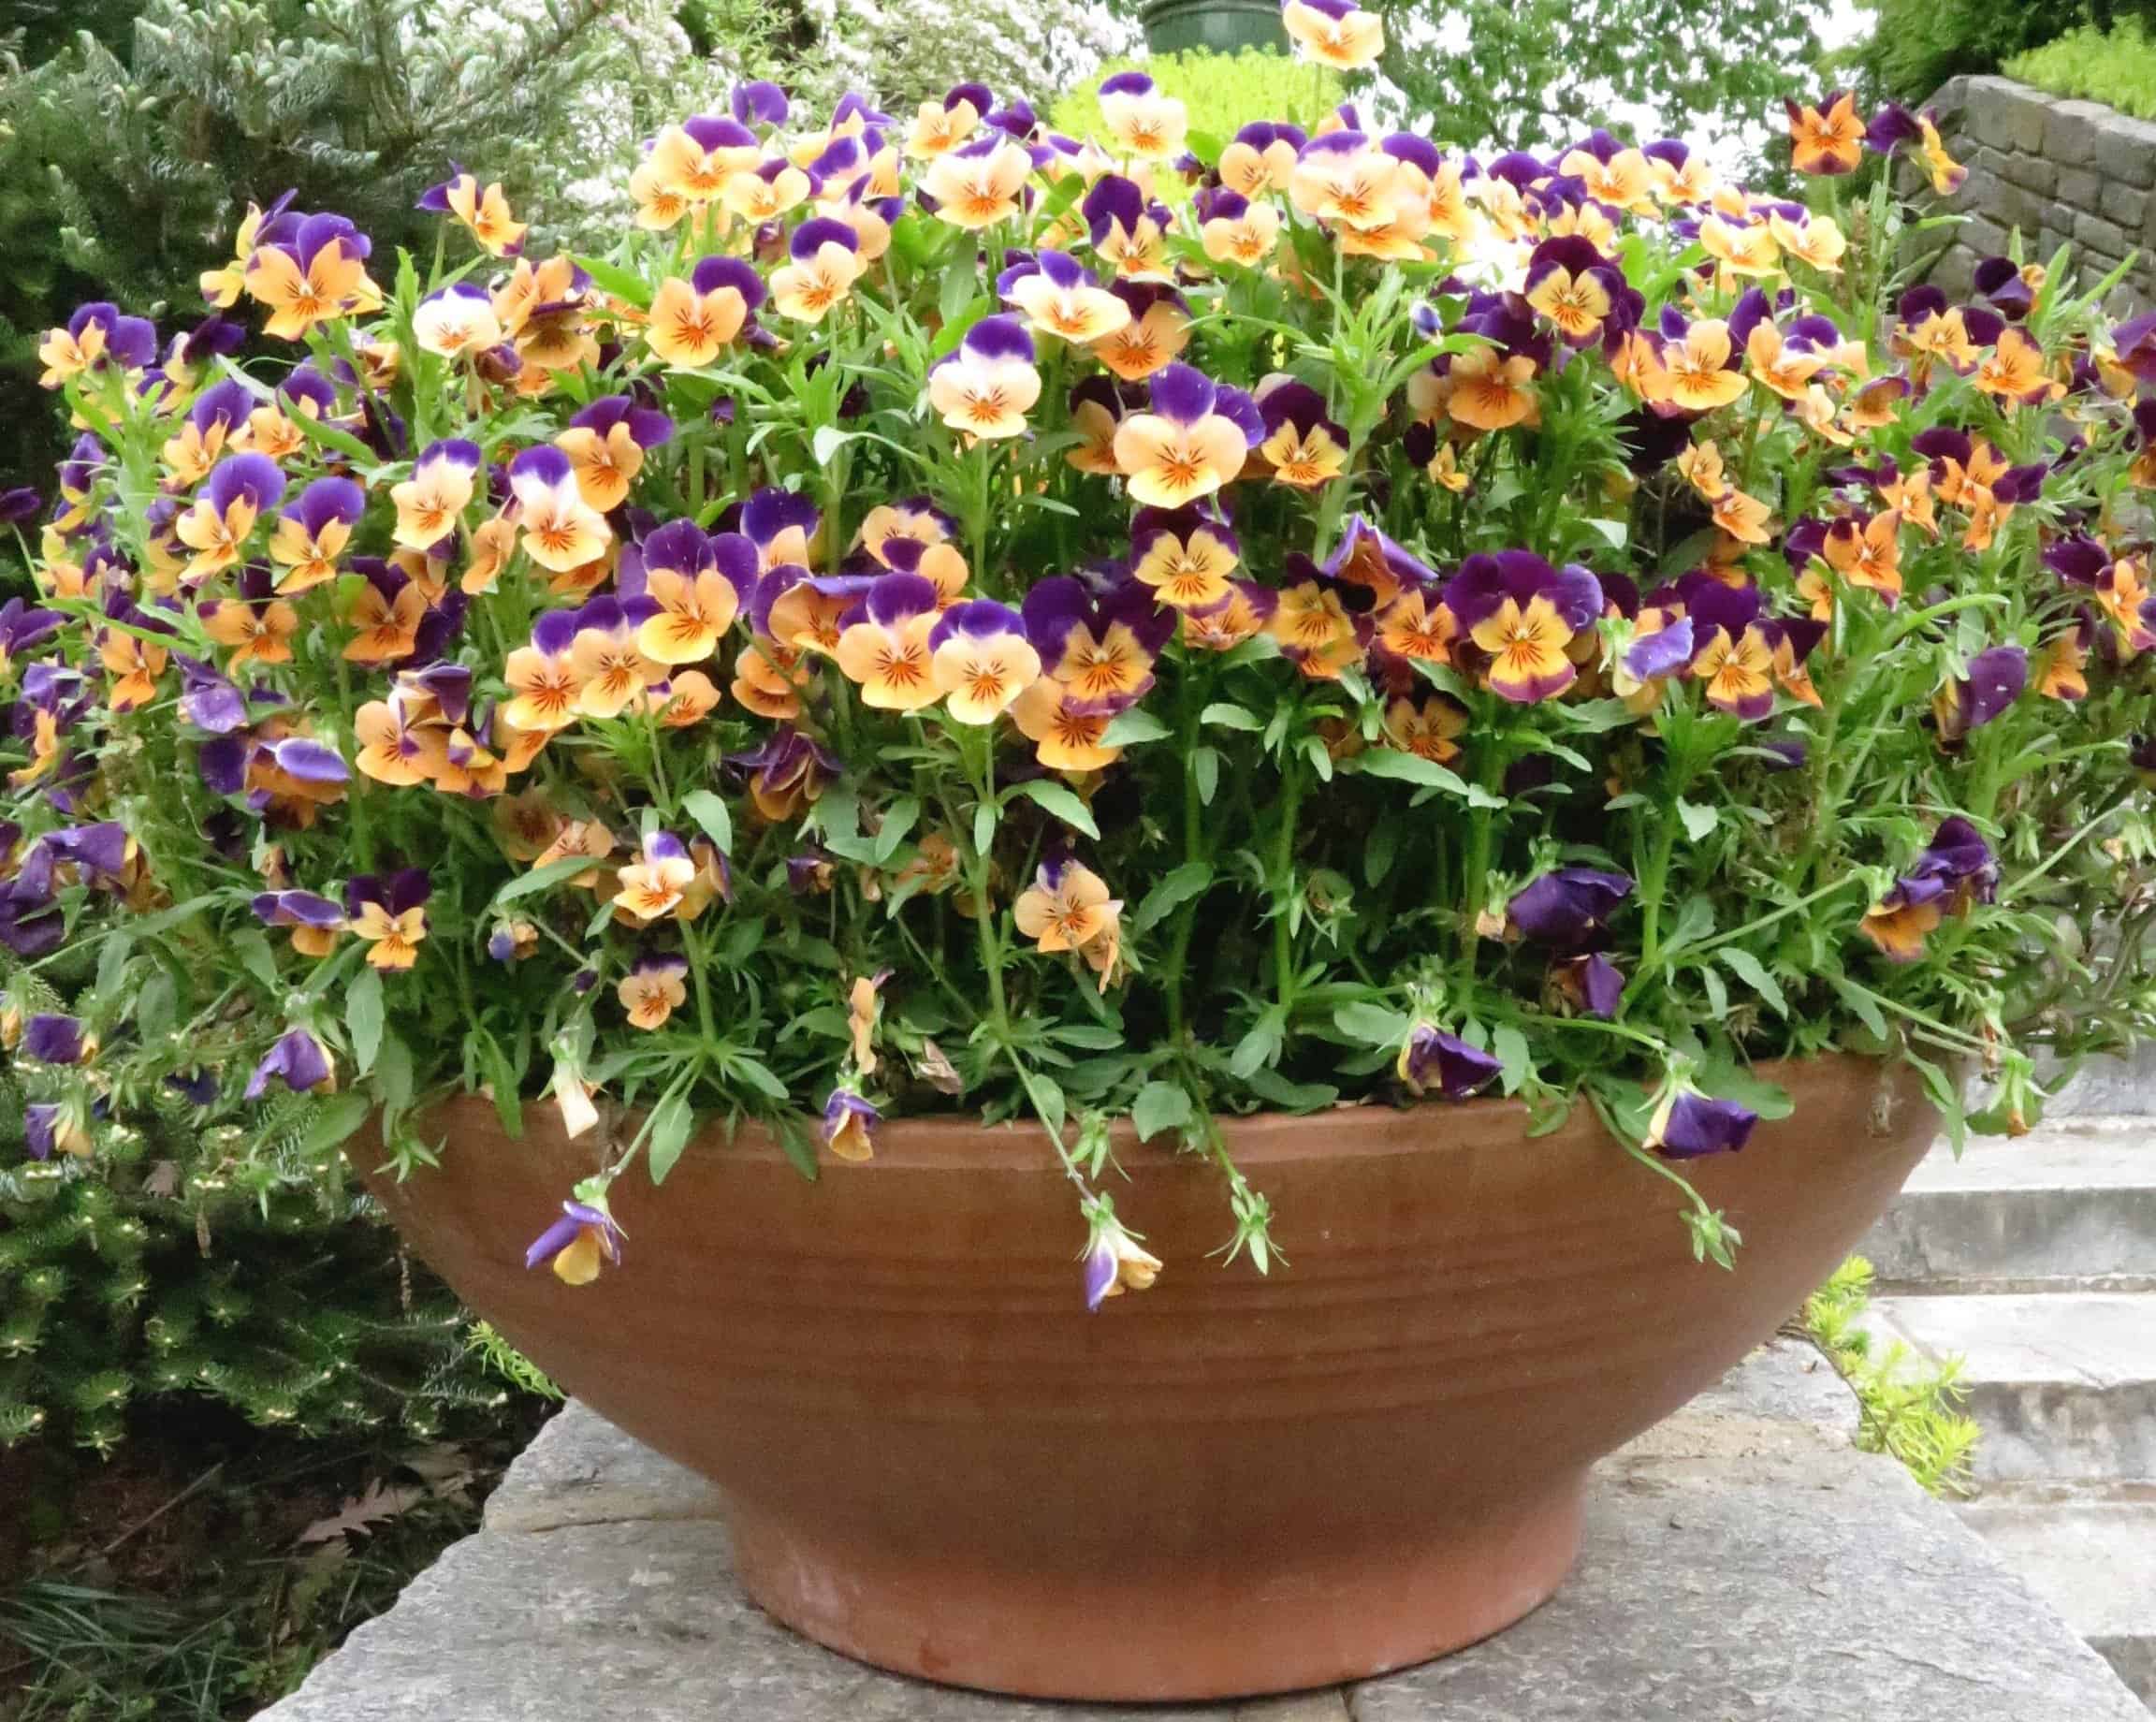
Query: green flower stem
[
  {"x": 1291, "y": 784},
  {"x": 2059, "y": 853},
  {"x": 699, "y": 965},
  {"x": 1946, "y": 1035},
  {"x": 1192, "y": 690},
  {"x": 1772, "y": 916}
]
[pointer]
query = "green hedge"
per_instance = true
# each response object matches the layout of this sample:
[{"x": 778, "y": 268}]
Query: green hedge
[{"x": 2115, "y": 66}]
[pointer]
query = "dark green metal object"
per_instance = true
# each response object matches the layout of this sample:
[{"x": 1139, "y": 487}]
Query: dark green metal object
[{"x": 1223, "y": 26}]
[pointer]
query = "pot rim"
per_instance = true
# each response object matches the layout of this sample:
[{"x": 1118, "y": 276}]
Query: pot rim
[{"x": 1354, "y": 1130}]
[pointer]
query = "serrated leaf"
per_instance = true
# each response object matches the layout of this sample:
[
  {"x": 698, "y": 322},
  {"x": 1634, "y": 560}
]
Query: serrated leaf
[
  {"x": 1373, "y": 1025},
  {"x": 1175, "y": 889},
  {"x": 713, "y": 815},
  {"x": 1752, "y": 972},
  {"x": 1061, "y": 800},
  {"x": 1134, "y": 725},
  {"x": 363, "y": 1017},
  {"x": 1699, "y": 821},
  {"x": 671, "y": 1127},
  {"x": 1160, "y": 1106}
]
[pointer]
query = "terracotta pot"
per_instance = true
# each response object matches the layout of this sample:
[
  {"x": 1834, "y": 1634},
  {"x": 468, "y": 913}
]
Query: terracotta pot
[{"x": 938, "y": 1462}]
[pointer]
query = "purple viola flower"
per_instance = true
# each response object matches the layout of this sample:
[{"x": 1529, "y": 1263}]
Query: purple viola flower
[
  {"x": 1996, "y": 679},
  {"x": 99, "y": 849},
  {"x": 298, "y": 1059},
  {"x": 1562, "y": 907},
  {"x": 576, "y": 1244},
  {"x": 1592, "y": 983},
  {"x": 2078, "y": 558},
  {"x": 647, "y": 426},
  {"x": 197, "y": 1087},
  {"x": 251, "y": 478},
  {"x": 210, "y": 701},
  {"x": 1524, "y": 613},
  {"x": 40, "y": 1128},
  {"x": 309, "y": 761},
  {"x": 1689, "y": 1125},
  {"x": 849, "y": 1125},
  {"x": 324, "y": 500},
  {"x": 130, "y": 342},
  {"x": 394, "y": 894},
  {"x": 19, "y": 504},
  {"x": 297, "y": 909},
  {"x": 52, "y": 1039},
  {"x": 1431, "y": 1058},
  {"x": 1664, "y": 652},
  {"x": 1367, "y": 557},
  {"x": 759, "y": 102},
  {"x": 1114, "y": 1261},
  {"x": 2001, "y": 281}
]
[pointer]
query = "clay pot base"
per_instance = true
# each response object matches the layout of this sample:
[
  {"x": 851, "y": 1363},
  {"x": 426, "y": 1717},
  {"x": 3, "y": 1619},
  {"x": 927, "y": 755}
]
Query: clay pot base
[{"x": 1321, "y": 1617}]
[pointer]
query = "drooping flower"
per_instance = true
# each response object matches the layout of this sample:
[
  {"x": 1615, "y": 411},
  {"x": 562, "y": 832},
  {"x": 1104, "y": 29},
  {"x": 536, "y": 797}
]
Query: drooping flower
[
  {"x": 1956, "y": 870},
  {"x": 788, "y": 773},
  {"x": 1432, "y": 1059},
  {"x": 576, "y": 1244},
  {"x": 1689, "y": 1125},
  {"x": 484, "y": 211},
  {"x": 653, "y": 989},
  {"x": 988, "y": 384},
  {"x": 1524, "y": 615},
  {"x": 1565, "y": 907},
  {"x": 691, "y": 322},
  {"x": 1996, "y": 678},
  {"x": 53, "y": 1038},
  {"x": 315, "y": 921},
  {"x": 390, "y": 915},
  {"x": 848, "y": 1126},
  {"x": 300, "y": 1061},
  {"x": 1195, "y": 440},
  {"x": 1113, "y": 1260}
]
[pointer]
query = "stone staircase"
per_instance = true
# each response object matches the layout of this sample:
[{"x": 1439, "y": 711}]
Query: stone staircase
[{"x": 2034, "y": 1262}]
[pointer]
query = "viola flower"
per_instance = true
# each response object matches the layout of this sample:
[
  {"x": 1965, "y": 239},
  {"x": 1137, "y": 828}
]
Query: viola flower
[
  {"x": 691, "y": 322},
  {"x": 1487, "y": 389},
  {"x": 654, "y": 887},
  {"x": 1233, "y": 230},
  {"x": 1525, "y": 614},
  {"x": 1195, "y": 440},
  {"x": 257, "y": 628},
  {"x": 1733, "y": 658},
  {"x": 827, "y": 262},
  {"x": 95, "y": 336},
  {"x": 1068, "y": 908},
  {"x": 1432, "y": 1059},
  {"x": 300, "y": 1061},
  {"x": 432, "y": 502},
  {"x": 1956, "y": 870},
  {"x": 219, "y": 415},
  {"x": 483, "y": 212},
  {"x": 1128, "y": 231},
  {"x": 1114, "y": 1261},
  {"x": 979, "y": 660},
  {"x": 1303, "y": 447},
  {"x": 1139, "y": 119},
  {"x": 1156, "y": 334},
  {"x": 1312, "y": 623},
  {"x": 977, "y": 185},
  {"x": 314, "y": 532},
  {"x": 396, "y": 745},
  {"x": 315, "y": 921},
  {"x": 55, "y": 1127},
  {"x": 1588, "y": 983},
  {"x": 133, "y": 663},
  {"x": 309, "y": 269},
  {"x": 2016, "y": 373},
  {"x": 562, "y": 531},
  {"x": 386, "y": 612},
  {"x": 696, "y": 583},
  {"x": 242, "y": 489},
  {"x": 457, "y": 321},
  {"x": 697, "y": 157},
  {"x": 1689, "y": 1125},
  {"x": 788, "y": 773},
  {"x": 887, "y": 652},
  {"x": 767, "y": 194},
  {"x": 782, "y": 525},
  {"x": 654, "y": 990},
  {"x": 986, "y": 387},
  {"x": 1183, "y": 556},
  {"x": 1425, "y": 730},
  {"x": 544, "y": 680},
  {"x": 606, "y": 444},
  {"x": 939, "y": 127},
  {"x": 1065, "y": 727},
  {"x": 1260, "y": 158},
  {"x": 1334, "y": 33},
  {"x": 52, "y": 1039},
  {"x": 848, "y": 1126},
  {"x": 1700, "y": 369},
  {"x": 1575, "y": 287},
  {"x": 607, "y": 665},
  {"x": 1997, "y": 677},
  {"x": 578, "y": 1243},
  {"x": 1060, "y": 297},
  {"x": 1826, "y": 139},
  {"x": 1099, "y": 651},
  {"x": 577, "y": 840},
  {"x": 390, "y": 915}
]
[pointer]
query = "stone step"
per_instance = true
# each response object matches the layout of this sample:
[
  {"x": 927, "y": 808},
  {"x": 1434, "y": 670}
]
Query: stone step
[
  {"x": 2068, "y": 1208},
  {"x": 2093, "y": 1559},
  {"x": 2064, "y": 1383}
]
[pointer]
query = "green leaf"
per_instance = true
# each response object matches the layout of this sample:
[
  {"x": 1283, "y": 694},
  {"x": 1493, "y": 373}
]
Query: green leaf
[
  {"x": 1061, "y": 800},
  {"x": 827, "y": 442},
  {"x": 1094, "y": 1037},
  {"x": 1867, "y": 1012},
  {"x": 363, "y": 1017},
  {"x": 618, "y": 281},
  {"x": 1726, "y": 1079},
  {"x": 755, "y": 1073},
  {"x": 1695, "y": 921},
  {"x": 1511, "y": 1049},
  {"x": 258, "y": 958},
  {"x": 1136, "y": 724},
  {"x": 1257, "y": 1050},
  {"x": 1206, "y": 773},
  {"x": 1269, "y": 1085},
  {"x": 1410, "y": 768},
  {"x": 1717, "y": 993},
  {"x": 1699, "y": 821},
  {"x": 798, "y": 1141},
  {"x": 898, "y": 822},
  {"x": 1371, "y": 1024},
  {"x": 1229, "y": 717},
  {"x": 541, "y": 878},
  {"x": 340, "y": 1118},
  {"x": 1615, "y": 533},
  {"x": 713, "y": 815},
  {"x": 1752, "y": 972},
  {"x": 329, "y": 436},
  {"x": 1160, "y": 1106},
  {"x": 1049, "y": 1104},
  {"x": 112, "y": 964},
  {"x": 1177, "y": 888},
  {"x": 984, "y": 817},
  {"x": 671, "y": 1127}
]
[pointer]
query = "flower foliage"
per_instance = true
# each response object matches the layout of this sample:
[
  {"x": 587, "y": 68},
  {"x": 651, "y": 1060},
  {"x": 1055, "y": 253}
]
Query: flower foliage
[{"x": 924, "y": 623}]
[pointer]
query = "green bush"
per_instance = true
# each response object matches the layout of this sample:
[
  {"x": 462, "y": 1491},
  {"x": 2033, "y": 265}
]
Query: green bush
[
  {"x": 1920, "y": 44},
  {"x": 1228, "y": 90},
  {"x": 2117, "y": 66}
]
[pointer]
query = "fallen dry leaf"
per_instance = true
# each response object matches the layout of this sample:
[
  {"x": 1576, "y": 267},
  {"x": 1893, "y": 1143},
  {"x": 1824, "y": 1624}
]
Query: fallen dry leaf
[{"x": 360, "y": 1514}]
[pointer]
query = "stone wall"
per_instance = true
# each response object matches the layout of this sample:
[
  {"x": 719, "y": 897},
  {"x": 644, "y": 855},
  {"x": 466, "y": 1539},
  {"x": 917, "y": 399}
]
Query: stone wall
[{"x": 2061, "y": 171}]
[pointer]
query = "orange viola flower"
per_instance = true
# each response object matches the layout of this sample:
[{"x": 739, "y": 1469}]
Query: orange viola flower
[{"x": 1826, "y": 139}]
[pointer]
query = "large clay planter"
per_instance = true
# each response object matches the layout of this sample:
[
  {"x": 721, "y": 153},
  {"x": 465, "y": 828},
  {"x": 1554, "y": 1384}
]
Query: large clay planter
[{"x": 937, "y": 1462}]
